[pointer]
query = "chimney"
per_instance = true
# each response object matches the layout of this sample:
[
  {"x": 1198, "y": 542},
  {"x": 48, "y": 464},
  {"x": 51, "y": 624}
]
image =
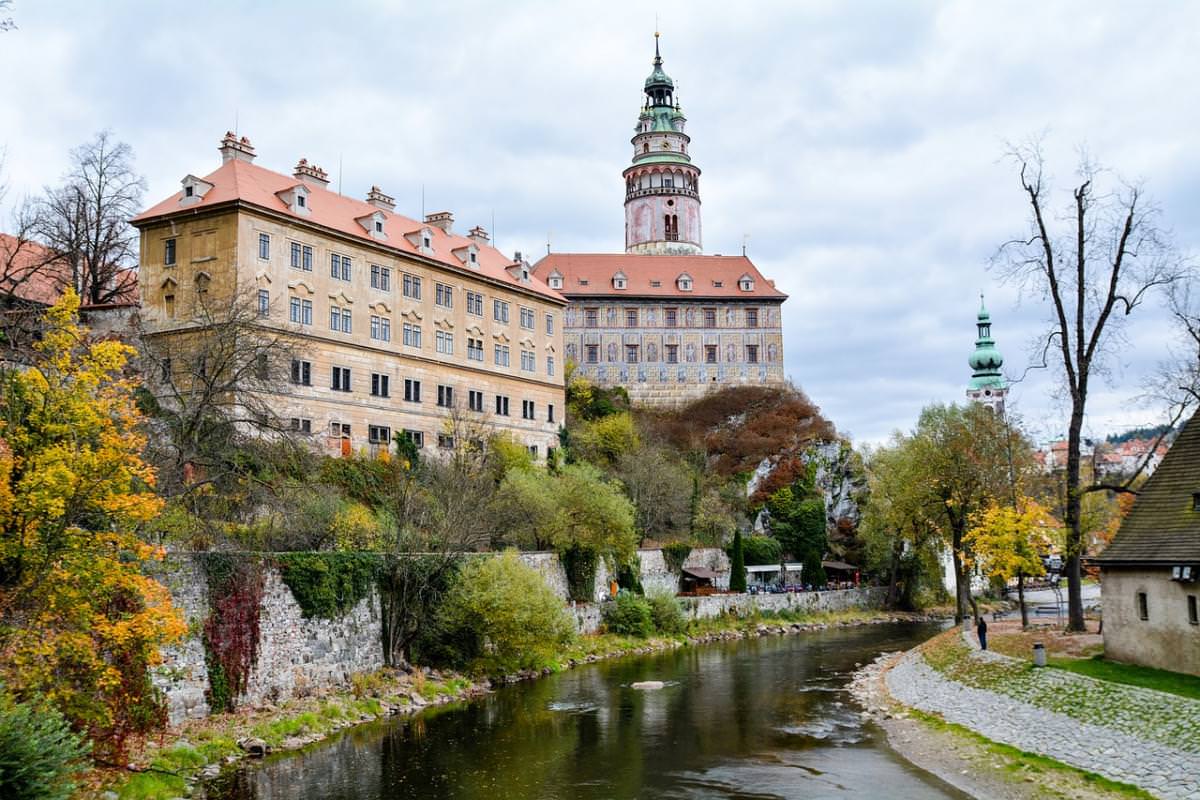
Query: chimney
[
  {"x": 479, "y": 236},
  {"x": 311, "y": 174},
  {"x": 441, "y": 219},
  {"x": 377, "y": 198},
  {"x": 233, "y": 148}
]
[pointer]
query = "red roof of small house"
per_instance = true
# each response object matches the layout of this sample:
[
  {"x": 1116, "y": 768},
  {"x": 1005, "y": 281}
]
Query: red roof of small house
[
  {"x": 713, "y": 277},
  {"x": 238, "y": 180},
  {"x": 31, "y": 272}
]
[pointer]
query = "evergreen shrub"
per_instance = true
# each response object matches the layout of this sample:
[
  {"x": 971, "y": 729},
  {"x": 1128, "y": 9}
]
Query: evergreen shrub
[{"x": 39, "y": 754}]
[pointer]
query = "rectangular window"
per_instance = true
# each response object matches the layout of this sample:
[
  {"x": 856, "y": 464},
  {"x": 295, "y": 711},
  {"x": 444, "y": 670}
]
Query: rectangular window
[
  {"x": 445, "y": 342},
  {"x": 475, "y": 303},
  {"x": 339, "y": 430},
  {"x": 474, "y": 349},
  {"x": 549, "y": 324},
  {"x": 340, "y": 379},
  {"x": 295, "y": 260},
  {"x": 475, "y": 400},
  {"x": 416, "y": 437},
  {"x": 710, "y": 318},
  {"x": 306, "y": 311},
  {"x": 500, "y": 311},
  {"x": 502, "y": 405},
  {"x": 671, "y": 353},
  {"x": 340, "y": 267},
  {"x": 335, "y": 318},
  {"x": 671, "y": 317},
  {"x": 501, "y": 355},
  {"x": 550, "y": 413},
  {"x": 169, "y": 252},
  {"x": 301, "y": 372},
  {"x": 301, "y": 425},
  {"x": 1193, "y": 612},
  {"x": 710, "y": 354},
  {"x": 300, "y": 311},
  {"x": 412, "y": 391},
  {"x": 381, "y": 278},
  {"x": 631, "y": 318},
  {"x": 306, "y": 262},
  {"x": 445, "y": 396},
  {"x": 527, "y": 409},
  {"x": 592, "y": 353},
  {"x": 380, "y": 385},
  {"x": 412, "y": 335},
  {"x": 751, "y": 317},
  {"x": 752, "y": 353},
  {"x": 412, "y": 286},
  {"x": 550, "y": 365},
  {"x": 445, "y": 441},
  {"x": 379, "y": 434},
  {"x": 533, "y": 450},
  {"x": 1143, "y": 606},
  {"x": 443, "y": 295},
  {"x": 264, "y": 302},
  {"x": 264, "y": 246},
  {"x": 1196, "y": 501},
  {"x": 169, "y": 305},
  {"x": 528, "y": 361},
  {"x": 631, "y": 354},
  {"x": 591, "y": 317},
  {"x": 381, "y": 328},
  {"x": 527, "y": 317}
]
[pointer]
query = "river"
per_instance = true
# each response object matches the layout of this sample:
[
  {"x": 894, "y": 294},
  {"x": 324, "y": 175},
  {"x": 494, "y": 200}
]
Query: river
[{"x": 760, "y": 718}]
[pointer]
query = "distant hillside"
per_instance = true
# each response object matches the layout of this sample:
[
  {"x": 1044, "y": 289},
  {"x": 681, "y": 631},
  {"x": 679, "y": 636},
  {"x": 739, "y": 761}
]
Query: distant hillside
[{"x": 1137, "y": 433}]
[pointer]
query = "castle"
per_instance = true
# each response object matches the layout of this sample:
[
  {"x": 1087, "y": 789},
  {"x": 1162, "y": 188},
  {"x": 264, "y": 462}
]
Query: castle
[{"x": 662, "y": 319}]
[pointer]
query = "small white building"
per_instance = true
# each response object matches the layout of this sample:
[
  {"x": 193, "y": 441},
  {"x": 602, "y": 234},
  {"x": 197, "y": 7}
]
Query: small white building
[{"x": 765, "y": 575}]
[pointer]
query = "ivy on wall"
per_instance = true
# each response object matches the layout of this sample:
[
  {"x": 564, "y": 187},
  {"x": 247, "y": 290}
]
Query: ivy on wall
[
  {"x": 231, "y": 632},
  {"x": 579, "y": 563},
  {"x": 327, "y": 585},
  {"x": 675, "y": 554}
]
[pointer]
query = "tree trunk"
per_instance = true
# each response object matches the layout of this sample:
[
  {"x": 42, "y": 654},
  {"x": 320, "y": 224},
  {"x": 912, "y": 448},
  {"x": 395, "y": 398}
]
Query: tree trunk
[
  {"x": 893, "y": 585},
  {"x": 1021, "y": 600},
  {"x": 962, "y": 589},
  {"x": 1073, "y": 516}
]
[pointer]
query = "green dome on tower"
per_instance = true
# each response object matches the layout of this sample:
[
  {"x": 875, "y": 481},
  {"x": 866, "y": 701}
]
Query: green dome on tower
[
  {"x": 986, "y": 360},
  {"x": 658, "y": 79}
]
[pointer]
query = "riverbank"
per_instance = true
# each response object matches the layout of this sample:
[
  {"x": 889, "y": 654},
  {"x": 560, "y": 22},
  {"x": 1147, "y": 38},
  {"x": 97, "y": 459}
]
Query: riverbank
[
  {"x": 185, "y": 755},
  {"x": 994, "y": 726}
]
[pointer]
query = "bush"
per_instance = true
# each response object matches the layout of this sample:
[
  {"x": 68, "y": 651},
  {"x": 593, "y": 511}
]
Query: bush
[
  {"x": 629, "y": 615},
  {"x": 38, "y": 752},
  {"x": 666, "y": 613},
  {"x": 760, "y": 550},
  {"x": 328, "y": 585},
  {"x": 737, "y": 564},
  {"x": 503, "y": 616}
]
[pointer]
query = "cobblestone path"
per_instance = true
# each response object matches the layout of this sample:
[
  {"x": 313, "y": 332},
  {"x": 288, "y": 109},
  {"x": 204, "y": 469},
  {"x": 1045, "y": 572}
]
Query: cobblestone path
[{"x": 1138, "y": 736}]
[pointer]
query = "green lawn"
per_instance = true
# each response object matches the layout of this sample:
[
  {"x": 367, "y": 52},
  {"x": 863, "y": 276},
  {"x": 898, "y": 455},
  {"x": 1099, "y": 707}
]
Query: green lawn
[{"x": 1146, "y": 677}]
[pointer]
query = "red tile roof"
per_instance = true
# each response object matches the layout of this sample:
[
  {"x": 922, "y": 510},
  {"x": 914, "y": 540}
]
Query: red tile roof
[
  {"x": 258, "y": 186},
  {"x": 30, "y": 272},
  {"x": 655, "y": 276}
]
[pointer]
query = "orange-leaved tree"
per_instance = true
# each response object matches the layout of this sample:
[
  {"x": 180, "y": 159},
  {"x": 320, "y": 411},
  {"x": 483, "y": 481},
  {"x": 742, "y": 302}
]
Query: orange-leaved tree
[
  {"x": 1007, "y": 542},
  {"x": 81, "y": 624}
]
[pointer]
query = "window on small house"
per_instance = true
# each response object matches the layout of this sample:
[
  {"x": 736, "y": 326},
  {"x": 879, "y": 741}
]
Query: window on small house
[
  {"x": 169, "y": 252},
  {"x": 1143, "y": 606},
  {"x": 1193, "y": 612}
]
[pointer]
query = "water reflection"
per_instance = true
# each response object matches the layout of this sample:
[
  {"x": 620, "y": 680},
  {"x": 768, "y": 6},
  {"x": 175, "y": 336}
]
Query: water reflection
[{"x": 763, "y": 718}]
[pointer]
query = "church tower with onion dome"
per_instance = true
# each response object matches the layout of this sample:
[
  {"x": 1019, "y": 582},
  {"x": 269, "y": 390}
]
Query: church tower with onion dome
[
  {"x": 662, "y": 185},
  {"x": 987, "y": 385}
]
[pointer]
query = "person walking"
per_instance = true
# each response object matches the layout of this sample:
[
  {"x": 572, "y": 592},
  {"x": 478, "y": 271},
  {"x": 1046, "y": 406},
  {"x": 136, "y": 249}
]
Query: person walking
[{"x": 981, "y": 631}]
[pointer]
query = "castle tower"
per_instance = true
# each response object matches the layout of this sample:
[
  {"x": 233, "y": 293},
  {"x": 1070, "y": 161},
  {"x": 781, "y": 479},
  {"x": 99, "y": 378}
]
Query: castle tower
[
  {"x": 662, "y": 186},
  {"x": 987, "y": 384}
]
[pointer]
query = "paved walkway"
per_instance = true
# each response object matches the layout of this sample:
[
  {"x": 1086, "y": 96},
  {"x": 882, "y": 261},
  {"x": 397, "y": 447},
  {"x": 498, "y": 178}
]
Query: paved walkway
[{"x": 1145, "y": 738}]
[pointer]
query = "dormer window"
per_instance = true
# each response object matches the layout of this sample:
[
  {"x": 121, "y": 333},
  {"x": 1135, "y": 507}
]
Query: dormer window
[
  {"x": 468, "y": 255},
  {"x": 684, "y": 282},
  {"x": 422, "y": 239},
  {"x": 426, "y": 241},
  {"x": 301, "y": 200},
  {"x": 194, "y": 190},
  {"x": 373, "y": 224},
  {"x": 296, "y": 199},
  {"x": 556, "y": 280},
  {"x": 718, "y": 284},
  {"x": 379, "y": 226},
  {"x": 746, "y": 283},
  {"x": 189, "y": 191},
  {"x": 619, "y": 281},
  {"x": 473, "y": 257}
]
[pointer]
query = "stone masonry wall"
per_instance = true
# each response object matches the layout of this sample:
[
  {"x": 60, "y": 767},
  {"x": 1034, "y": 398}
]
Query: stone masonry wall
[{"x": 298, "y": 656}]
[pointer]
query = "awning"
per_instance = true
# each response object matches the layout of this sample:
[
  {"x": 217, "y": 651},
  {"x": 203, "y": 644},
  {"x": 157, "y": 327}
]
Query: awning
[
  {"x": 773, "y": 567},
  {"x": 839, "y": 565},
  {"x": 703, "y": 573}
]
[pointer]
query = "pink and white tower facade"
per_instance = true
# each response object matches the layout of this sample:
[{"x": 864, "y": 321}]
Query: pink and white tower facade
[{"x": 662, "y": 186}]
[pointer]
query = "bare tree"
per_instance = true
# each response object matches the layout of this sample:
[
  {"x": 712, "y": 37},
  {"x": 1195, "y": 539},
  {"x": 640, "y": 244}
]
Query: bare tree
[
  {"x": 30, "y": 274},
  {"x": 1109, "y": 256},
  {"x": 216, "y": 377},
  {"x": 86, "y": 219},
  {"x": 6, "y": 22}
]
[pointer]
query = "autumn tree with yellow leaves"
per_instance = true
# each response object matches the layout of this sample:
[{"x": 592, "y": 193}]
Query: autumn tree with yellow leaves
[
  {"x": 1007, "y": 542},
  {"x": 81, "y": 624}
]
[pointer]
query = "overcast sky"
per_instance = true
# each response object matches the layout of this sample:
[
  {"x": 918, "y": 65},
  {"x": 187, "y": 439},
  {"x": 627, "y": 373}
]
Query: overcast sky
[{"x": 857, "y": 146}]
